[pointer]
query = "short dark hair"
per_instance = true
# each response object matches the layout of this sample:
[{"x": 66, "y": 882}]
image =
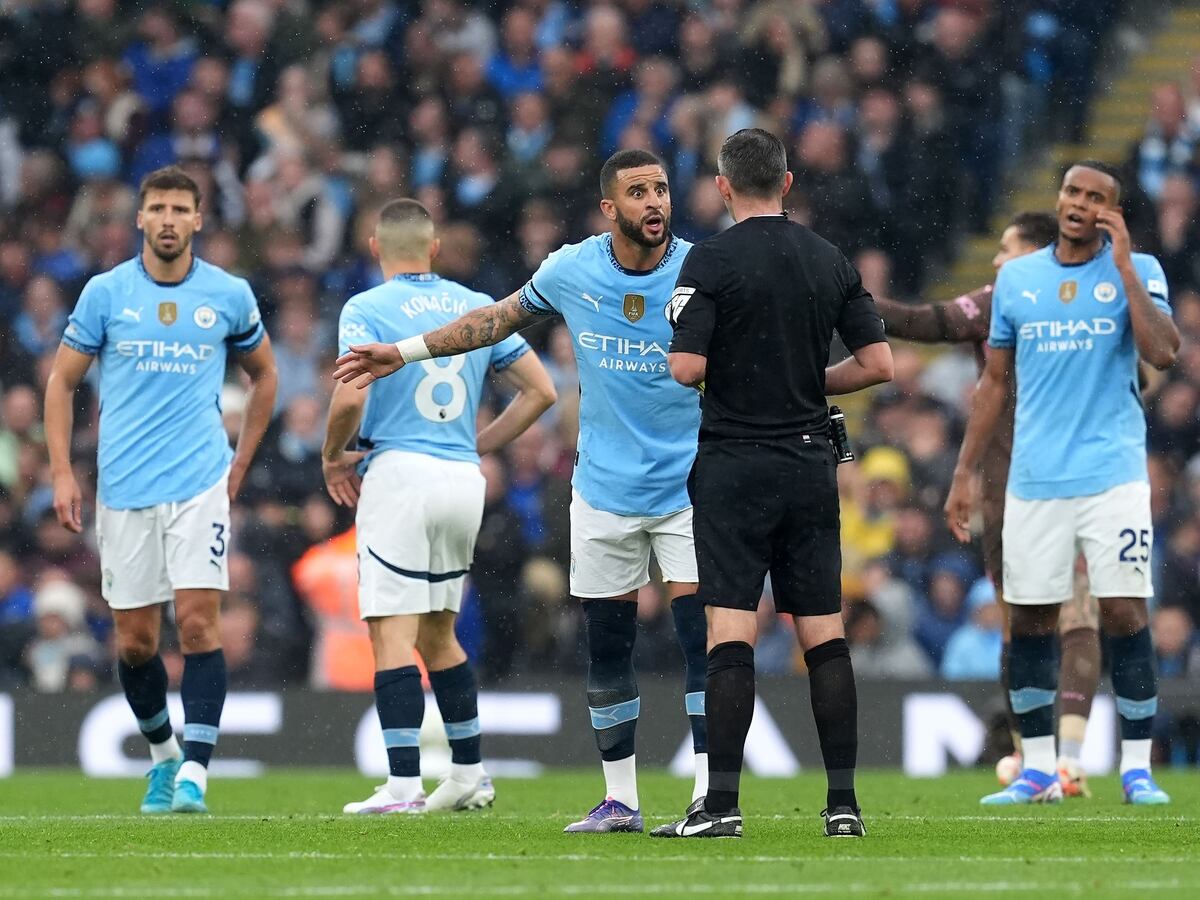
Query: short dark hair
[
  {"x": 754, "y": 161},
  {"x": 168, "y": 178},
  {"x": 1103, "y": 168},
  {"x": 405, "y": 230},
  {"x": 1038, "y": 229},
  {"x": 402, "y": 212},
  {"x": 624, "y": 159}
]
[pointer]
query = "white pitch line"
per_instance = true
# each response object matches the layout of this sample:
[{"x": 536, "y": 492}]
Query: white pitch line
[
  {"x": 1031, "y": 815},
  {"x": 320, "y": 855},
  {"x": 572, "y": 890}
]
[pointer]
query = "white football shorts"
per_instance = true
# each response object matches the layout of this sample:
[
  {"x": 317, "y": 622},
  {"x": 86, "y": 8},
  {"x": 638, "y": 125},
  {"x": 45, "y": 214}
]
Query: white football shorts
[
  {"x": 148, "y": 554},
  {"x": 610, "y": 554},
  {"x": 1043, "y": 537},
  {"x": 418, "y": 518}
]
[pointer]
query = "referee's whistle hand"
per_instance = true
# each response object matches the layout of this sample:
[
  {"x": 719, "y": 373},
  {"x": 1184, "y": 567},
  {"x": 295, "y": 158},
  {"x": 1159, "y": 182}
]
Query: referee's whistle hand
[{"x": 365, "y": 363}]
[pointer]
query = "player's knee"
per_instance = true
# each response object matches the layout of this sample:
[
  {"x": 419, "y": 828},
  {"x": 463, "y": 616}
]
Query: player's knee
[
  {"x": 437, "y": 646},
  {"x": 1034, "y": 621},
  {"x": 198, "y": 632},
  {"x": 136, "y": 647},
  {"x": 1123, "y": 617}
]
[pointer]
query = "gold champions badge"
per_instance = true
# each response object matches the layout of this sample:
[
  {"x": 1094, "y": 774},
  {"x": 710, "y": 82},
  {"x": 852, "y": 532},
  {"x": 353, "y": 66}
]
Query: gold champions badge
[
  {"x": 168, "y": 313},
  {"x": 1067, "y": 291},
  {"x": 635, "y": 306}
]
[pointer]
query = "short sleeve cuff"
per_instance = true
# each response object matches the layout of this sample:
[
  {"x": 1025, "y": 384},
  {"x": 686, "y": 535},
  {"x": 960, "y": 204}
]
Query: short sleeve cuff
[
  {"x": 1001, "y": 343},
  {"x": 533, "y": 302},
  {"x": 509, "y": 358},
  {"x": 684, "y": 343},
  {"x": 863, "y": 330},
  {"x": 80, "y": 346}
]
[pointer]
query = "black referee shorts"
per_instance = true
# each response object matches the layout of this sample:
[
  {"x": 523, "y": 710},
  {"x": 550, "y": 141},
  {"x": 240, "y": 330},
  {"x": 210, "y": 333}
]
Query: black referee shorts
[{"x": 762, "y": 508}]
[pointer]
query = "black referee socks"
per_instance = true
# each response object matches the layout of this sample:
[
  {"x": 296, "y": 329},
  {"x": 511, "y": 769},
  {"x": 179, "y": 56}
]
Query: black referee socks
[
  {"x": 729, "y": 703},
  {"x": 835, "y": 710},
  {"x": 612, "y": 691}
]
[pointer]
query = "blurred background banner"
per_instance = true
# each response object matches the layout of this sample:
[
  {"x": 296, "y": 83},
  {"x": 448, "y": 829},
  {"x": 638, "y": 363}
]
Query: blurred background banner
[{"x": 539, "y": 723}]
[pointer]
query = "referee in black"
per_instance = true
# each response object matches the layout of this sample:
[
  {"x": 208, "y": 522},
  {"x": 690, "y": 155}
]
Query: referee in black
[{"x": 754, "y": 312}]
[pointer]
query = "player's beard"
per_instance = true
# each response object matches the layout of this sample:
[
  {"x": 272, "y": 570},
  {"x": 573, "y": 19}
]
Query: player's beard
[
  {"x": 168, "y": 256},
  {"x": 633, "y": 231}
]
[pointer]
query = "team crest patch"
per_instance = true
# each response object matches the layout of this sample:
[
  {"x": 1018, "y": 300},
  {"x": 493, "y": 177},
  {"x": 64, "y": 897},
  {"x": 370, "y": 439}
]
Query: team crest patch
[
  {"x": 205, "y": 316},
  {"x": 1067, "y": 291},
  {"x": 635, "y": 306},
  {"x": 1105, "y": 292},
  {"x": 168, "y": 313}
]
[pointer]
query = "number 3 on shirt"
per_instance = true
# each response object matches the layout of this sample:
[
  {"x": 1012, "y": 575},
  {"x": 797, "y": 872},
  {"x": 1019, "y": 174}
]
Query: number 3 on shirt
[
  {"x": 1134, "y": 540},
  {"x": 435, "y": 377}
]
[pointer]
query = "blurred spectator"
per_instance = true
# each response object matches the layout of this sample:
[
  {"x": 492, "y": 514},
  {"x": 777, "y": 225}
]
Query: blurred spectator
[
  {"x": 877, "y": 487},
  {"x": 516, "y": 68},
  {"x": 973, "y": 651},
  {"x": 950, "y": 575},
  {"x": 374, "y": 110},
  {"x": 1169, "y": 142},
  {"x": 833, "y": 189},
  {"x": 43, "y": 316},
  {"x": 1175, "y": 642},
  {"x": 61, "y": 634},
  {"x": 161, "y": 62},
  {"x": 880, "y": 650}
]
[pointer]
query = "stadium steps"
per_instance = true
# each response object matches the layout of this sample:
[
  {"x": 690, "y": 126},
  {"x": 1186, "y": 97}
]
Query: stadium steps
[{"x": 1117, "y": 117}]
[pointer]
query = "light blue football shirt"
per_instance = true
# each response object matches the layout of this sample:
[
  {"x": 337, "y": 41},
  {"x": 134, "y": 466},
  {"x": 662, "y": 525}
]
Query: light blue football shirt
[
  {"x": 1080, "y": 426},
  {"x": 162, "y": 350},
  {"x": 427, "y": 407},
  {"x": 637, "y": 425}
]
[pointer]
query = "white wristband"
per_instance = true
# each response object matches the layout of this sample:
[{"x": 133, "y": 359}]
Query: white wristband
[{"x": 413, "y": 349}]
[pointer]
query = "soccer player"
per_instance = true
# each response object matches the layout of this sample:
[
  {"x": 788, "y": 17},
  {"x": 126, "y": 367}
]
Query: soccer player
[
  {"x": 968, "y": 320},
  {"x": 637, "y": 440},
  {"x": 421, "y": 455},
  {"x": 1068, "y": 324},
  {"x": 162, "y": 325},
  {"x": 754, "y": 314}
]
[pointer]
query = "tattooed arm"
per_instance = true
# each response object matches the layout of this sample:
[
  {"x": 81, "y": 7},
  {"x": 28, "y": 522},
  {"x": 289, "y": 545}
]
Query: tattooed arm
[{"x": 479, "y": 328}]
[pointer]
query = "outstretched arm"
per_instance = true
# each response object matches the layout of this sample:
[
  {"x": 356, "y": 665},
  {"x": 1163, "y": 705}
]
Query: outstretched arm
[
  {"x": 955, "y": 321},
  {"x": 481, "y": 327}
]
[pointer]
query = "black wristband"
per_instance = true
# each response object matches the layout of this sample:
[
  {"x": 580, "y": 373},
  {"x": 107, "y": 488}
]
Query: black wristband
[{"x": 939, "y": 313}]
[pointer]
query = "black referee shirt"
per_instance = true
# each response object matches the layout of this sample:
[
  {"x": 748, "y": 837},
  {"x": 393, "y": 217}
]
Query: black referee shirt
[{"x": 761, "y": 301}]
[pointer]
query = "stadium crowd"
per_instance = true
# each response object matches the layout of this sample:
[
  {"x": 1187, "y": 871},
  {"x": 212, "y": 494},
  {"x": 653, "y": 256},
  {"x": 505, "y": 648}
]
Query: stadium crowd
[{"x": 299, "y": 119}]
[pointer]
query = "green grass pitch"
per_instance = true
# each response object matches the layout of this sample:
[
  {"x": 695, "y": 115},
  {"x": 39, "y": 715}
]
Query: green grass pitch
[{"x": 65, "y": 836}]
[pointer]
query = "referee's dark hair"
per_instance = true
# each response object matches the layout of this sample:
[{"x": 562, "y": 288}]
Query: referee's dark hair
[
  {"x": 624, "y": 159},
  {"x": 754, "y": 161},
  {"x": 1037, "y": 229},
  {"x": 1104, "y": 169}
]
